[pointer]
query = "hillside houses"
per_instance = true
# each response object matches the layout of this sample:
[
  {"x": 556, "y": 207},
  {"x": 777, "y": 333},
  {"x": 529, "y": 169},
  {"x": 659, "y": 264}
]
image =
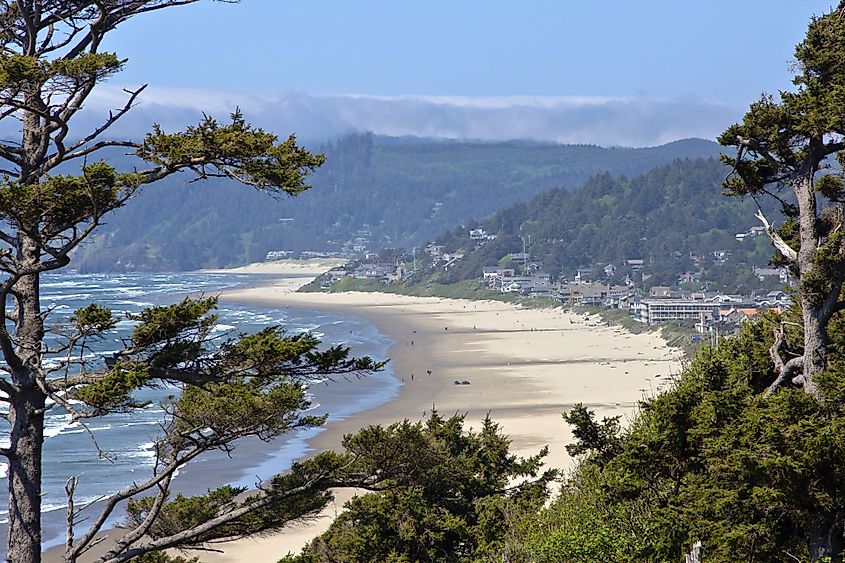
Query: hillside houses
[
  {"x": 780, "y": 273},
  {"x": 372, "y": 271},
  {"x": 750, "y": 233},
  {"x": 662, "y": 303},
  {"x": 624, "y": 285},
  {"x": 593, "y": 294},
  {"x": 480, "y": 235},
  {"x": 537, "y": 283}
]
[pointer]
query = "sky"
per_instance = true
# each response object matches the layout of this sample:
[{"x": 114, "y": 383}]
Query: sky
[{"x": 601, "y": 71}]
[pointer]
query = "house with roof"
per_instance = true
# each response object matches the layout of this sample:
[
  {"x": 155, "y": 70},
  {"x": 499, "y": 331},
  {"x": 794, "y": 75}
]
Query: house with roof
[
  {"x": 583, "y": 275},
  {"x": 516, "y": 285},
  {"x": 721, "y": 256},
  {"x": 534, "y": 266},
  {"x": 488, "y": 272},
  {"x": 451, "y": 260},
  {"x": 477, "y": 234},
  {"x": 519, "y": 257},
  {"x": 780, "y": 273},
  {"x": 434, "y": 250},
  {"x": 689, "y": 277},
  {"x": 636, "y": 264},
  {"x": 660, "y": 291}
]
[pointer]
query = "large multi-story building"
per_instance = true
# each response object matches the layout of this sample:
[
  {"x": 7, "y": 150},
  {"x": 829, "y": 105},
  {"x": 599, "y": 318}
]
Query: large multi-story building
[{"x": 652, "y": 311}]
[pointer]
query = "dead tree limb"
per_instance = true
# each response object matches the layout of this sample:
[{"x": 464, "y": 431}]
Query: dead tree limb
[{"x": 784, "y": 369}]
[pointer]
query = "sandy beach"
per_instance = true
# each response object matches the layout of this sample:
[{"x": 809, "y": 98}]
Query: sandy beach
[{"x": 524, "y": 366}]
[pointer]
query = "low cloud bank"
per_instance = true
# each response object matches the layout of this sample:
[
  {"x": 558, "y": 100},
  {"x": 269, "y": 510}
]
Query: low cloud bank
[{"x": 604, "y": 121}]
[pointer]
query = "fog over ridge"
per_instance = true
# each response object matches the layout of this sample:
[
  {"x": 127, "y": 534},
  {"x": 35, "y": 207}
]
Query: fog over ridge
[{"x": 605, "y": 120}]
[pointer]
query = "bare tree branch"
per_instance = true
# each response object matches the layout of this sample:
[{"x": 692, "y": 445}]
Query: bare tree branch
[
  {"x": 85, "y": 542},
  {"x": 786, "y": 250},
  {"x": 785, "y": 370},
  {"x": 187, "y": 536},
  {"x": 31, "y": 31},
  {"x": 141, "y": 530}
]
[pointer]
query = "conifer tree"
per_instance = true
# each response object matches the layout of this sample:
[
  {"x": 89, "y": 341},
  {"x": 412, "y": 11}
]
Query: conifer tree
[
  {"x": 785, "y": 144},
  {"x": 253, "y": 385}
]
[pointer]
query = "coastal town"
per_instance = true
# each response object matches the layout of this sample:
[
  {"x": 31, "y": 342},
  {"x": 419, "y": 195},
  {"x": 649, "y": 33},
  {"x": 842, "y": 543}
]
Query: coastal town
[{"x": 623, "y": 286}]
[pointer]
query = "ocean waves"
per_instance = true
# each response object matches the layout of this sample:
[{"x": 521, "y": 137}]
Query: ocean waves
[{"x": 124, "y": 449}]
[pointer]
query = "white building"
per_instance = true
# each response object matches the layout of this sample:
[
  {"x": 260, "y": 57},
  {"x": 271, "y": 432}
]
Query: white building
[{"x": 652, "y": 311}]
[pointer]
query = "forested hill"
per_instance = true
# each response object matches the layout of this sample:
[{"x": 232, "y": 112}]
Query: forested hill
[
  {"x": 390, "y": 191},
  {"x": 661, "y": 217}
]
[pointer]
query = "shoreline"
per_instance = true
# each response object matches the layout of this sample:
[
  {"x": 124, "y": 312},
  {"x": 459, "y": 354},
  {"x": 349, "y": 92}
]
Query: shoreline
[{"x": 525, "y": 367}]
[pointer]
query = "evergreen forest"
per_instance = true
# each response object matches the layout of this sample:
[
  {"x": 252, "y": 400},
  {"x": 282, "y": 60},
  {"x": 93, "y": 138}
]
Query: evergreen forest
[
  {"x": 393, "y": 191},
  {"x": 673, "y": 217}
]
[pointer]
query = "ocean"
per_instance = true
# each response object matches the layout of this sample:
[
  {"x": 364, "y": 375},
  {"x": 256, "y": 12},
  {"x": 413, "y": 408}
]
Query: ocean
[{"x": 128, "y": 438}]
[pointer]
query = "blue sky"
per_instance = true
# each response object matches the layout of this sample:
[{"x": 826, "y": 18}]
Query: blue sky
[{"x": 715, "y": 53}]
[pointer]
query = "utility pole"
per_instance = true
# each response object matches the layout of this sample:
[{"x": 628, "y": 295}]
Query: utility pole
[{"x": 524, "y": 258}]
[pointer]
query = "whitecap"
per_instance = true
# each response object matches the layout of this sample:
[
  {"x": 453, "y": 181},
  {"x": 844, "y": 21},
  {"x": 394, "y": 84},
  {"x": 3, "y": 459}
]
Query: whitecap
[
  {"x": 54, "y": 427},
  {"x": 139, "y": 304},
  {"x": 50, "y": 507},
  {"x": 71, "y": 297},
  {"x": 62, "y": 284}
]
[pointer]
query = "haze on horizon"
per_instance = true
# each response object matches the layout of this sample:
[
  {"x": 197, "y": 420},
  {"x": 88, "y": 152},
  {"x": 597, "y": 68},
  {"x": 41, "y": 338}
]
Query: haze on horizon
[{"x": 606, "y": 72}]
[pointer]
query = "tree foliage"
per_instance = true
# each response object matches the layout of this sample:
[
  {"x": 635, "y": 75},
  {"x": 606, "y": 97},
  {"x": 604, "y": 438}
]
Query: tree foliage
[
  {"x": 450, "y": 498},
  {"x": 599, "y": 439}
]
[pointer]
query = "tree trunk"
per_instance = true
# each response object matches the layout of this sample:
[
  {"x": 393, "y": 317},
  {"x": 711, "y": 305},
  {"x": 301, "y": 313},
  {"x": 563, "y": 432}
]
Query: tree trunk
[
  {"x": 26, "y": 413},
  {"x": 27, "y": 437},
  {"x": 815, "y": 348},
  {"x": 812, "y": 304},
  {"x": 826, "y": 540}
]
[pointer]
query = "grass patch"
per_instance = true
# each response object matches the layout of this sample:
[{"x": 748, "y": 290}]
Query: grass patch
[
  {"x": 470, "y": 289},
  {"x": 617, "y": 317}
]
